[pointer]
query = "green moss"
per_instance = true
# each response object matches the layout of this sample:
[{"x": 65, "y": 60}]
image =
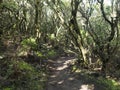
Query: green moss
[
  {"x": 109, "y": 83},
  {"x": 25, "y": 66},
  {"x": 39, "y": 54},
  {"x": 51, "y": 54},
  {"x": 29, "y": 43},
  {"x": 100, "y": 82},
  {"x": 22, "y": 76}
]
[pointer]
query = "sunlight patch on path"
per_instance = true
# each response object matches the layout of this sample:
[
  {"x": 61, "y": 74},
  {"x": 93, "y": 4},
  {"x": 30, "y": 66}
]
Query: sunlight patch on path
[
  {"x": 65, "y": 64},
  {"x": 60, "y": 82},
  {"x": 62, "y": 67},
  {"x": 87, "y": 87}
]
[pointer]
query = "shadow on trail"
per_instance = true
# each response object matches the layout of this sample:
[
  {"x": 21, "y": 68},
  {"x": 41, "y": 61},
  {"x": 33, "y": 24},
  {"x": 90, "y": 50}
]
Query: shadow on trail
[{"x": 61, "y": 79}]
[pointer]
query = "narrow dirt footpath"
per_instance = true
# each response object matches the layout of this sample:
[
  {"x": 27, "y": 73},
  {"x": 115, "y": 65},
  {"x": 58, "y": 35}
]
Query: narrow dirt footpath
[{"x": 61, "y": 79}]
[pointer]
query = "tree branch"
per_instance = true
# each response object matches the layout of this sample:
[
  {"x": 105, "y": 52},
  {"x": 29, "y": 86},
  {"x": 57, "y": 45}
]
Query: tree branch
[{"x": 103, "y": 12}]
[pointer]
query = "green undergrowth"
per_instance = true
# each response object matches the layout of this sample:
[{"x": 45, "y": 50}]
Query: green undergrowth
[
  {"x": 43, "y": 51},
  {"x": 20, "y": 75},
  {"x": 51, "y": 54},
  {"x": 109, "y": 83},
  {"x": 100, "y": 82}
]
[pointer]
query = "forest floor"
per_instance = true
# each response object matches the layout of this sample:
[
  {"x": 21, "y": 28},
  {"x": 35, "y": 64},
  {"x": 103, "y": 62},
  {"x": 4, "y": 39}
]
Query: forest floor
[{"x": 60, "y": 77}]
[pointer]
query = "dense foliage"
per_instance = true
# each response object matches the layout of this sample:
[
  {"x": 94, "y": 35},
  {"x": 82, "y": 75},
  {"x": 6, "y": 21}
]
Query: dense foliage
[{"x": 32, "y": 31}]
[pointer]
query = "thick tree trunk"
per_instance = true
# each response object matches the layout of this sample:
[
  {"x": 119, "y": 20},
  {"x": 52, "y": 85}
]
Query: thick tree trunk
[
  {"x": 103, "y": 70},
  {"x": 104, "y": 67}
]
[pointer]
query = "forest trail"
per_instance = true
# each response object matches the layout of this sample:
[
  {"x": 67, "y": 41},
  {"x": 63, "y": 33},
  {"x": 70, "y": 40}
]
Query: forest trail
[{"x": 61, "y": 79}]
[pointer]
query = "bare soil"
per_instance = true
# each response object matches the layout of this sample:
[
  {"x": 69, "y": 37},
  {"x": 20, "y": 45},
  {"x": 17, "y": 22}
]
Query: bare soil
[{"x": 61, "y": 79}]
